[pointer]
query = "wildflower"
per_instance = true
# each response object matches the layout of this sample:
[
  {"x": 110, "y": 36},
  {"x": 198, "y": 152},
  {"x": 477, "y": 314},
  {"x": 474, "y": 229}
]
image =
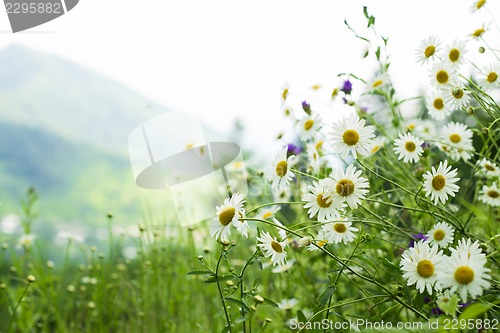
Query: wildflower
[
  {"x": 408, "y": 147},
  {"x": 436, "y": 105},
  {"x": 477, "y": 6},
  {"x": 308, "y": 126},
  {"x": 281, "y": 269},
  {"x": 465, "y": 273},
  {"x": 268, "y": 212},
  {"x": 489, "y": 169},
  {"x": 280, "y": 174},
  {"x": 479, "y": 32},
  {"x": 314, "y": 158},
  {"x": 490, "y": 195},
  {"x": 320, "y": 241},
  {"x": 457, "y": 97},
  {"x": 378, "y": 82},
  {"x": 306, "y": 107},
  {"x": 293, "y": 149},
  {"x": 377, "y": 143},
  {"x": 441, "y": 234},
  {"x": 457, "y": 141},
  {"x": 442, "y": 74},
  {"x": 339, "y": 232},
  {"x": 272, "y": 248},
  {"x": 26, "y": 241},
  {"x": 441, "y": 182},
  {"x": 288, "y": 304},
  {"x": 351, "y": 135},
  {"x": 346, "y": 87},
  {"x": 420, "y": 265},
  {"x": 319, "y": 201},
  {"x": 241, "y": 224},
  {"x": 279, "y": 227},
  {"x": 489, "y": 76},
  {"x": 470, "y": 249},
  {"x": 455, "y": 53},
  {"x": 227, "y": 214},
  {"x": 427, "y": 49},
  {"x": 349, "y": 187}
]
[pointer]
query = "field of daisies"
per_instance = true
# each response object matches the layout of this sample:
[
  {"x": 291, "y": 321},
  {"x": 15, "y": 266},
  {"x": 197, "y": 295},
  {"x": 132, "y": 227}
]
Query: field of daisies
[{"x": 385, "y": 219}]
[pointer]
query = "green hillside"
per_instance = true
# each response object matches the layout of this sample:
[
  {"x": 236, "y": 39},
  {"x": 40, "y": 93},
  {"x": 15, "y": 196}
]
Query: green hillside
[{"x": 75, "y": 181}]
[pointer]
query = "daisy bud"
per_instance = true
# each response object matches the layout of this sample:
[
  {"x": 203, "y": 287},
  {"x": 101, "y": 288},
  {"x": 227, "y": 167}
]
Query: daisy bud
[
  {"x": 253, "y": 308},
  {"x": 268, "y": 320},
  {"x": 481, "y": 49},
  {"x": 258, "y": 299},
  {"x": 306, "y": 107},
  {"x": 50, "y": 264},
  {"x": 304, "y": 241},
  {"x": 229, "y": 283},
  {"x": 485, "y": 131},
  {"x": 71, "y": 288},
  {"x": 470, "y": 110},
  {"x": 200, "y": 257},
  {"x": 31, "y": 278}
]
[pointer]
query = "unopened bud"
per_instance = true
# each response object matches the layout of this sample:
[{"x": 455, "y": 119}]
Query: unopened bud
[
  {"x": 481, "y": 49},
  {"x": 258, "y": 299}
]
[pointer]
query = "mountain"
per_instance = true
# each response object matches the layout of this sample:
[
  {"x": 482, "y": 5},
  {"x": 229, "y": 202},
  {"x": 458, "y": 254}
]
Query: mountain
[
  {"x": 49, "y": 92},
  {"x": 64, "y": 131}
]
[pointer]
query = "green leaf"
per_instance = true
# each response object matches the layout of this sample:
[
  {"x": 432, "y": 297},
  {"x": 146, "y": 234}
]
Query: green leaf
[
  {"x": 301, "y": 317},
  {"x": 377, "y": 53},
  {"x": 237, "y": 301},
  {"x": 474, "y": 310},
  {"x": 325, "y": 295},
  {"x": 270, "y": 302},
  {"x": 388, "y": 263},
  {"x": 200, "y": 273},
  {"x": 213, "y": 279}
]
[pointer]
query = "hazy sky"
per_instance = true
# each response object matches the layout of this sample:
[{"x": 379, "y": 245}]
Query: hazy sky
[{"x": 227, "y": 59}]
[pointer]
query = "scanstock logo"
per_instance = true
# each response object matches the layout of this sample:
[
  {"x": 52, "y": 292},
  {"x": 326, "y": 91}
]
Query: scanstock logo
[{"x": 26, "y": 14}]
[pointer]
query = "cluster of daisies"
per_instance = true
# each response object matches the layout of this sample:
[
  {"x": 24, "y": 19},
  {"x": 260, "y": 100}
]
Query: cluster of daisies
[{"x": 432, "y": 265}]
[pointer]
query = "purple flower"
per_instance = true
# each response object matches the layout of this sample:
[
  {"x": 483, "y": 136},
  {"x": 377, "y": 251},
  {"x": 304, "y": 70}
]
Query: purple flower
[
  {"x": 347, "y": 87},
  {"x": 306, "y": 106},
  {"x": 417, "y": 237},
  {"x": 293, "y": 149}
]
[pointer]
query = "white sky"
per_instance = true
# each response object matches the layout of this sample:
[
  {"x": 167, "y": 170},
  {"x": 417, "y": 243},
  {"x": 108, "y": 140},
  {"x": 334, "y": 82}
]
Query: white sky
[{"x": 225, "y": 59}]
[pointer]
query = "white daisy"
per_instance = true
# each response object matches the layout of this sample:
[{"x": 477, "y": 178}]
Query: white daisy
[
  {"x": 377, "y": 143},
  {"x": 280, "y": 228},
  {"x": 489, "y": 169},
  {"x": 464, "y": 273},
  {"x": 455, "y": 52},
  {"x": 456, "y": 140},
  {"x": 351, "y": 135},
  {"x": 319, "y": 200},
  {"x": 280, "y": 173},
  {"x": 314, "y": 158},
  {"x": 421, "y": 266},
  {"x": 426, "y": 129},
  {"x": 227, "y": 214},
  {"x": 339, "y": 231},
  {"x": 308, "y": 126},
  {"x": 241, "y": 224},
  {"x": 442, "y": 74},
  {"x": 268, "y": 212},
  {"x": 490, "y": 76},
  {"x": 320, "y": 241},
  {"x": 436, "y": 105},
  {"x": 287, "y": 304},
  {"x": 427, "y": 49},
  {"x": 477, "y": 6},
  {"x": 26, "y": 241},
  {"x": 284, "y": 268},
  {"x": 272, "y": 248},
  {"x": 457, "y": 97},
  {"x": 441, "y": 235},
  {"x": 478, "y": 33},
  {"x": 470, "y": 249},
  {"x": 490, "y": 195},
  {"x": 349, "y": 187},
  {"x": 408, "y": 147},
  {"x": 441, "y": 182},
  {"x": 378, "y": 82}
]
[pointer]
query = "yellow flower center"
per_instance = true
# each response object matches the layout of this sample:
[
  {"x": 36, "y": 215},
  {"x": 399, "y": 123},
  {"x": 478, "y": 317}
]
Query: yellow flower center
[
  {"x": 319, "y": 145},
  {"x": 322, "y": 201},
  {"x": 377, "y": 83},
  {"x": 281, "y": 168},
  {"x": 454, "y": 55},
  {"x": 226, "y": 215},
  {"x": 425, "y": 268},
  {"x": 322, "y": 243},
  {"x": 340, "y": 228},
  {"x": 429, "y": 51},
  {"x": 438, "y": 182},
  {"x": 335, "y": 92},
  {"x": 492, "y": 77},
  {"x": 489, "y": 167},
  {"x": 284, "y": 94},
  {"x": 439, "y": 235},
  {"x": 308, "y": 124},
  {"x": 455, "y": 138},
  {"x": 464, "y": 275},
  {"x": 438, "y": 103},
  {"x": 350, "y": 137},
  {"x": 345, "y": 187},
  {"x": 267, "y": 215},
  {"x": 478, "y": 32},
  {"x": 276, "y": 246},
  {"x": 493, "y": 194},
  {"x": 375, "y": 149},
  {"x": 442, "y": 77},
  {"x": 457, "y": 93},
  {"x": 410, "y": 146},
  {"x": 480, "y": 4}
]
